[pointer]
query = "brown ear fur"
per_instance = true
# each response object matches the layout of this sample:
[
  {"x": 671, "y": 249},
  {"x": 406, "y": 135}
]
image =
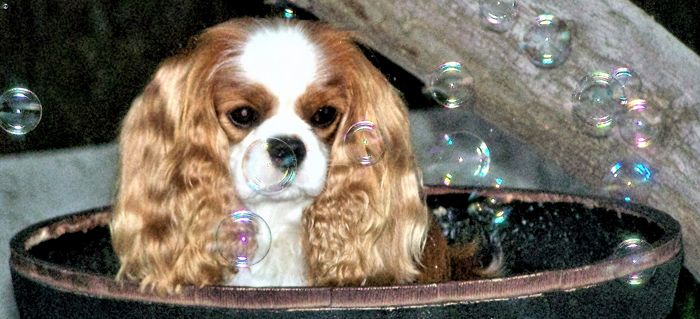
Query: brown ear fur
[
  {"x": 369, "y": 224},
  {"x": 174, "y": 182}
]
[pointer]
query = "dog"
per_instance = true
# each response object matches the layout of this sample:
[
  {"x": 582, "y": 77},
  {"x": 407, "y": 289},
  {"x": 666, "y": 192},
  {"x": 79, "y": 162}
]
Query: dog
[{"x": 338, "y": 223}]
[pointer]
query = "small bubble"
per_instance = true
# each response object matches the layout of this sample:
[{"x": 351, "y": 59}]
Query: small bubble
[
  {"x": 450, "y": 85},
  {"x": 628, "y": 85},
  {"x": 641, "y": 124},
  {"x": 269, "y": 165},
  {"x": 364, "y": 143},
  {"x": 20, "y": 111},
  {"x": 5, "y": 6},
  {"x": 490, "y": 209},
  {"x": 594, "y": 107},
  {"x": 498, "y": 15},
  {"x": 457, "y": 159},
  {"x": 243, "y": 238},
  {"x": 628, "y": 180},
  {"x": 634, "y": 252},
  {"x": 548, "y": 42}
]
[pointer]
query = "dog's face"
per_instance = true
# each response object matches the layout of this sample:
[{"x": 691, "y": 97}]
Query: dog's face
[
  {"x": 280, "y": 98},
  {"x": 295, "y": 88}
]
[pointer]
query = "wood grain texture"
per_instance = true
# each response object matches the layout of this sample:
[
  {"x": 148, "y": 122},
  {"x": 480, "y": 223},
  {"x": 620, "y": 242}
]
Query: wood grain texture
[{"x": 535, "y": 104}]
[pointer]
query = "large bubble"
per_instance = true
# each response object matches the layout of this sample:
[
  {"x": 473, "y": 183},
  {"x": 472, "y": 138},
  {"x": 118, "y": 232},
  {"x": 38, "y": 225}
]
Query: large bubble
[
  {"x": 634, "y": 252},
  {"x": 269, "y": 165},
  {"x": 243, "y": 238},
  {"x": 450, "y": 85},
  {"x": 594, "y": 107},
  {"x": 459, "y": 158},
  {"x": 364, "y": 143},
  {"x": 548, "y": 42}
]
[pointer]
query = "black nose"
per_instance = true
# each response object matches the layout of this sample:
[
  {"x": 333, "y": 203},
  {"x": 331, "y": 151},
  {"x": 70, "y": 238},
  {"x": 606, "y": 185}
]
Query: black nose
[{"x": 286, "y": 151}]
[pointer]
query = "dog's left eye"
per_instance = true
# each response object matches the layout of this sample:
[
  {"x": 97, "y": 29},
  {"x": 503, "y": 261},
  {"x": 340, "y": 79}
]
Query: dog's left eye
[
  {"x": 243, "y": 117},
  {"x": 323, "y": 116}
]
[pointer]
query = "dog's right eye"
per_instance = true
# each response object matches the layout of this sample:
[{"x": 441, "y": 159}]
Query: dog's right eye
[{"x": 243, "y": 117}]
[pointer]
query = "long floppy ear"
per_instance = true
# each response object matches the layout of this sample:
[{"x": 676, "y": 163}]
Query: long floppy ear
[
  {"x": 174, "y": 184},
  {"x": 369, "y": 224}
]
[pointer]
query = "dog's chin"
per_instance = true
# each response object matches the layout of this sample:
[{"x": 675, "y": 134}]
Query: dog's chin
[{"x": 291, "y": 193}]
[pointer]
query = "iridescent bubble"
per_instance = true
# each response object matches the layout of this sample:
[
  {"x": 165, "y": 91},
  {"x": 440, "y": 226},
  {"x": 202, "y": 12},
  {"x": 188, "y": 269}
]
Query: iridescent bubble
[
  {"x": 490, "y": 210},
  {"x": 243, "y": 238},
  {"x": 457, "y": 159},
  {"x": 628, "y": 180},
  {"x": 634, "y": 251},
  {"x": 450, "y": 85},
  {"x": 20, "y": 111},
  {"x": 364, "y": 143},
  {"x": 628, "y": 85},
  {"x": 548, "y": 42},
  {"x": 498, "y": 15},
  {"x": 594, "y": 107},
  {"x": 269, "y": 165},
  {"x": 640, "y": 125}
]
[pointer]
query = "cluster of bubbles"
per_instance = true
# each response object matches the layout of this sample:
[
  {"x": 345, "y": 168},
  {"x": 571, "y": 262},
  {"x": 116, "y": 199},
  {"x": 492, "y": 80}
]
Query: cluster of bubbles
[
  {"x": 634, "y": 252},
  {"x": 20, "y": 111},
  {"x": 602, "y": 101},
  {"x": 243, "y": 238},
  {"x": 547, "y": 43}
]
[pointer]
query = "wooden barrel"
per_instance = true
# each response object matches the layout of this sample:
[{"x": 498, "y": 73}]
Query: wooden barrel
[{"x": 562, "y": 256}]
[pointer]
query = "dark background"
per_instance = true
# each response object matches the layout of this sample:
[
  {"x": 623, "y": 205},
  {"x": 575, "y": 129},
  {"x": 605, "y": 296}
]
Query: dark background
[{"x": 87, "y": 59}]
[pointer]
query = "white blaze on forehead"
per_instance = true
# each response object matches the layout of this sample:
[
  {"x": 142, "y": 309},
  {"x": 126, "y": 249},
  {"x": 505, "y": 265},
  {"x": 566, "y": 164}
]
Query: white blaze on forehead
[{"x": 282, "y": 59}]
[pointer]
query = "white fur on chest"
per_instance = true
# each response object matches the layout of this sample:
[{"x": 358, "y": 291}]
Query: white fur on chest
[{"x": 284, "y": 264}]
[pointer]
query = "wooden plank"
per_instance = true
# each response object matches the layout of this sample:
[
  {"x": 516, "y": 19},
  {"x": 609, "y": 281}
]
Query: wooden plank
[{"x": 535, "y": 104}]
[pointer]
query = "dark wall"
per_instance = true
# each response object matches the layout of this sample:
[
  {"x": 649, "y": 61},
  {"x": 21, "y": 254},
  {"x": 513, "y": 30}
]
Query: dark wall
[{"x": 87, "y": 59}]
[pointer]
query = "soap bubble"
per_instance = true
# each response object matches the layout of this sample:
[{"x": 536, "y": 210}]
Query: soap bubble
[
  {"x": 628, "y": 180},
  {"x": 634, "y": 251},
  {"x": 269, "y": 165},
  {"x": 594, "y": 107},
  {"x": 243, "y": 238},
  {"x": 548, "y": 42},
  {"x": 364, "y": 143},
  {"x": 498, "y": 15},
  {"x": 450, "y": 85},
  {"x": 20, "y": 111},
  {"x": 628, "y": 85},
  {"x": 457, "y": 159},
  {"x": 640, "y": 125},
  {"x": 490, "y": 210}
]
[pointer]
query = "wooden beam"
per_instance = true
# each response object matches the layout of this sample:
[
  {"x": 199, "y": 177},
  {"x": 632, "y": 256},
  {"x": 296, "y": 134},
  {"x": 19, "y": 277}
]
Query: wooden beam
[{"x": 534, "y": 104}]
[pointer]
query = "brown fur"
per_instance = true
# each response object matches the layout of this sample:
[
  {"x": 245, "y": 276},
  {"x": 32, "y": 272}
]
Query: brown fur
[{"x": 368, "y": 226}]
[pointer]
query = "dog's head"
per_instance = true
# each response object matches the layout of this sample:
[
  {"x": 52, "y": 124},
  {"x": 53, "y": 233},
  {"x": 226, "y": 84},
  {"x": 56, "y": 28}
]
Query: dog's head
[{"x": 286, "y": 93}]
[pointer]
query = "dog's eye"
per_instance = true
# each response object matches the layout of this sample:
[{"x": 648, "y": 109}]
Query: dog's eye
[
  {"x": 243, "y": 117},
  {"x": 323, "y": 116}
]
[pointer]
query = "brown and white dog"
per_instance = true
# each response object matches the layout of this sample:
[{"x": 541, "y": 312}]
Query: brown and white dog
[{"x": 182, "y": 143}]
